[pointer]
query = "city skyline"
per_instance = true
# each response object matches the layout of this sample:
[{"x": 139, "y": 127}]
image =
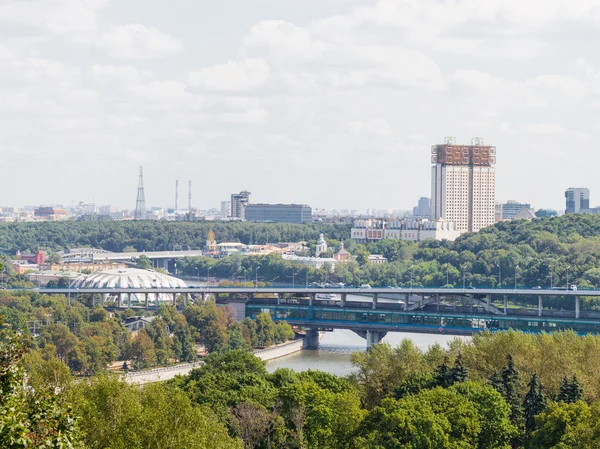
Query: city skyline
[{"x": 91, "y": 89}]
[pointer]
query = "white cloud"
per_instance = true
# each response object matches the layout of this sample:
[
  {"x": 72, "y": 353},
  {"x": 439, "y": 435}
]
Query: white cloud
[
  {"x": 77, "y": 19},
  {"x": 233, "y": 76},
  {"x": 125, "y": 73},
  {"x": 169, "y": 93},
  {"x": 282, "y": 40},
  {"x": 136, "y": 41},
  {"x": 377, "y": 127}
]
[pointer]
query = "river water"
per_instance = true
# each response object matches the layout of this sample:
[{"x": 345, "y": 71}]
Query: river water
[{"x": 335, "y": 349}]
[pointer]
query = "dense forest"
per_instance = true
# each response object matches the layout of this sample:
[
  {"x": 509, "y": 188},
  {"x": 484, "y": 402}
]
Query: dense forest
[
  {"x": 504, "y": 390},
  {"x": 153, "y": 235}
]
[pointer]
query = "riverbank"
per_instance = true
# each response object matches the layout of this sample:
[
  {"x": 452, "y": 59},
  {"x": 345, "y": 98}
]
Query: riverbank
[{"x": 169, "y": 372}]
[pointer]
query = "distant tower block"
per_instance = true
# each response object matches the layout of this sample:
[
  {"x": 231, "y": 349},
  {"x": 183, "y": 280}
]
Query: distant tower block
[
  {"x": 140, "y": 205},
  {"x": 190, "y": 197},
  {"x": 176, "y": 196}
]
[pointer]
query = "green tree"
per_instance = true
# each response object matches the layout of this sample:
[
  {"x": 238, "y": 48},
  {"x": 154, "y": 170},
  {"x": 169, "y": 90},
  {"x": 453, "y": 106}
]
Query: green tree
[
  {"x": 567, "y": 425},
  {"x": 570, "y": 390},
  {"x": 142, "y": 351},
  {"x": 143, "y": 263},
  {"x": 29, "y": 418},
  {"x": 534, "y": 403},
  {"x": 459, "y": 373},
  {"x": 118, "y": 415},
  {"x": 512, "y": 391}
]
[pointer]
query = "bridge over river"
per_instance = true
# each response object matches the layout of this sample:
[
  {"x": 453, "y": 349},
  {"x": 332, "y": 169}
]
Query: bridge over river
[{"x": 372, "y": 312}]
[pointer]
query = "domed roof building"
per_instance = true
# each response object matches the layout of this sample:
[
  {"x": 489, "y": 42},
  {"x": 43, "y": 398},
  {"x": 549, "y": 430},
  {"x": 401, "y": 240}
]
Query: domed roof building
[{"x": 125, "y": 278}]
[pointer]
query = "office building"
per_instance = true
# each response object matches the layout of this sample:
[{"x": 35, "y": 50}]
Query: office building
[
  {"x": 577, "y": 200},
  {"x": 239, "y": 201},
  {"x": 279, "y": 213},
  {"x": 423, "y": 208},
  {"x": 463, "y": 184},
  {"x": 511, "y": 209}
]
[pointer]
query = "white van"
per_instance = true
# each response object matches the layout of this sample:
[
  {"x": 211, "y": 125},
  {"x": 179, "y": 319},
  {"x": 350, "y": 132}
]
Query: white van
[
  {"x": 574, "y": 288},
  {"x": 365, "y": 286}
]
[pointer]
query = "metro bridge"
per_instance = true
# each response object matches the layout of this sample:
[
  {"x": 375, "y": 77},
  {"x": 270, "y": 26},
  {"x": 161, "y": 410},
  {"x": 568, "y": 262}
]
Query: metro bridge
[{"x": 423, "y": 309}]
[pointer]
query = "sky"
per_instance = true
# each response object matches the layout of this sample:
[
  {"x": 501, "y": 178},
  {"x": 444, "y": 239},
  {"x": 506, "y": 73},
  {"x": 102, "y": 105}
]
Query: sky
[{"x": 332, "y": 103}]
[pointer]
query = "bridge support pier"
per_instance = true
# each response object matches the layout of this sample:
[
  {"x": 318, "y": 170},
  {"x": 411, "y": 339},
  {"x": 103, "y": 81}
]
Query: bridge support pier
[
  {"x": 505, "y": 304},
  {"x": 119, "y": 300},
  {"x": 406, "y": 302},
  {"x": 311, "y": 299},
  {"x": 374, "y": 338},
  {"x": 343, "y": 297},
  {"x": 577, "y": 306},
  {"x": 311, "y": 341},
  {"x": 540, "y": 305},
  {"x": 128, "y": 300},
  {"x": 375, "y": 298},
  {"x": 185, "y": 300},
  {"x": 146, "y": 300},
  {"x": 174, "y": 299}
]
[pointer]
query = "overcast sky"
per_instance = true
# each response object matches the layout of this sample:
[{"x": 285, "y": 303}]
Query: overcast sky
[{"x": 333, "y": 103}]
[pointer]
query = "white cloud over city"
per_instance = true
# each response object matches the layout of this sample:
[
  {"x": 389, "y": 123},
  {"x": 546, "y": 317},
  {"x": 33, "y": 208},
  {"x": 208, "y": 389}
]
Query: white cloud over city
[{"x": 334, "y": 103}]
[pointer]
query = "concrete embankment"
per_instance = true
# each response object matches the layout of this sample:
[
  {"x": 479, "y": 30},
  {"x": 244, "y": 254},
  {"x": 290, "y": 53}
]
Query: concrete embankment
[
  {"x": 280, "y": 350},
  {"x": 169, "y": 372}
]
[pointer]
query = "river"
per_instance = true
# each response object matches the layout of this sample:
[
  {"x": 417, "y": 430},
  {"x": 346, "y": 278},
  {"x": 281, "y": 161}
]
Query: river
[{"x": 333, "y": 355}]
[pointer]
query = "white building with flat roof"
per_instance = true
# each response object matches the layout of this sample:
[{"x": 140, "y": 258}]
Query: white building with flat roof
[{"x": 414, "y": 230}]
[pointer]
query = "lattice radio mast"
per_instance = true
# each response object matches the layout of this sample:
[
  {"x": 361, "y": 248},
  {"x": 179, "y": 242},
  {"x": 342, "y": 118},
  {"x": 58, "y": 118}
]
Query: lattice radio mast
[{"x": 140, "y": 205}]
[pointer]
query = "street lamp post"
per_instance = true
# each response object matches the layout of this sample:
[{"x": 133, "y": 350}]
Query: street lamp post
[
  {"x": 198, "y": 270},
  {"x": 499, "y": 275},
  {"x": 256, "y": 277},
  {"x": 464, "y": 273},
  {"x": 551, "y": 280},
  {"x": 516, "y": 274},
  {"x": 568, "y": 268},
  {"x": 207, "y": 276},
  {"x": 447, "y": 275}
]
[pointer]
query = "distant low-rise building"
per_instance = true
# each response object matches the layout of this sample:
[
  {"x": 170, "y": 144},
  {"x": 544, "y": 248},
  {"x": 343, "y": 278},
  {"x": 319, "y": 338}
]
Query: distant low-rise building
[
  {"x": 377, "y": 259},
  {"x": 50, "y": 213},
  {"x": 342, "y": 255},
  {"x": 279, "y": 213},
  {"x": 416, "y": 230},
  {"x": 511, "y": 209},
  {"x": 313, "y": 262}
]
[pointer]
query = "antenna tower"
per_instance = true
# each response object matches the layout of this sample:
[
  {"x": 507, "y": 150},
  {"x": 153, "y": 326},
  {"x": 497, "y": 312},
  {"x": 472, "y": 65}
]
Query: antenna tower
[{"x": 140, "y": 205}]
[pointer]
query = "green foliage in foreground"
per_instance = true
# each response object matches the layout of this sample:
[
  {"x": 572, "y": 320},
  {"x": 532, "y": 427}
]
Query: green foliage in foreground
[{"x": 399, "y": 398}]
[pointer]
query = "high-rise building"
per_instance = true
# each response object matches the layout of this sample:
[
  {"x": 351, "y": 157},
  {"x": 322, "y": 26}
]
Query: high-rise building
[
  {"x": 577, "y": 200},
  {"x": 423, "y": 208},
  {"x": 226, "y": 208},
  {"x": 239, "y": 201},
  {"x": 463, "y": 184}
]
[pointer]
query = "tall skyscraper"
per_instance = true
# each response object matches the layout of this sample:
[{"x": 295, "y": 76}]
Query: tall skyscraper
[
  {"x": 463, "y": 184},
  {"x": 140, "y": 205},
  {"x": 577, "y": 200},
  {"x": 239, "y": 201}
]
